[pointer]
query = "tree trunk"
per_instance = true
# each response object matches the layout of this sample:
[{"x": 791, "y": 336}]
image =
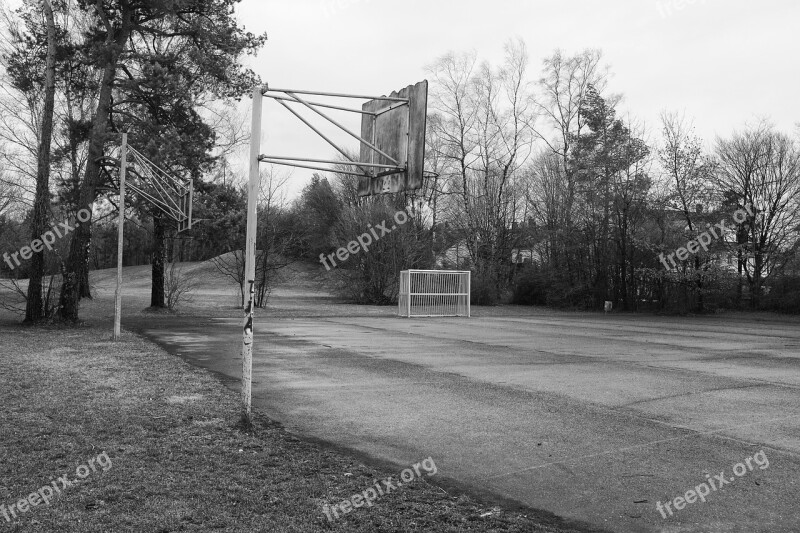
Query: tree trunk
[
  {"x": 34, "y": 309},
  {"x": 159, "y": 255},
  {"x": 739, "y": 278},
  {"x": 755, "y": 286},
  {"x": 77, "y": 266},
  {"x": 83, "y": 283},
  {"x": 701, "y": 306}
]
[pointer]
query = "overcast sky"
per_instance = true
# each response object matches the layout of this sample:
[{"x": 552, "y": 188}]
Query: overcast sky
[{"x": 723, "y": 63}]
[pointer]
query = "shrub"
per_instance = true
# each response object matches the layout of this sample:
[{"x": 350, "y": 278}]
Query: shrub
[
  {"x": 782, "y": 295},
  {"x": 372, "y": 276},
  {"x": 530, "y": 288},
  {"x": 178, "y": 286},
  {"x": 535, "y": 286},
  {"x": 483, "y": 288}
]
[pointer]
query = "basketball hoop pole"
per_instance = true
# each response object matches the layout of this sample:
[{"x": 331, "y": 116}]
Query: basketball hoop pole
[
  {"x": 120, "y": 243},
  {"x": 250, "y": 257}
]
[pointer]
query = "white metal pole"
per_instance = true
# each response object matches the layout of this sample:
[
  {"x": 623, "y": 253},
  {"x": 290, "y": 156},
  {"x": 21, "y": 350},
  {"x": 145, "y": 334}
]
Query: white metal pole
[
  {"x": 120, "y": 233},
  {"x": 469, "y": 293},
  {"x": 250, "y": 256},
  {"x": 410, "y": 290}
]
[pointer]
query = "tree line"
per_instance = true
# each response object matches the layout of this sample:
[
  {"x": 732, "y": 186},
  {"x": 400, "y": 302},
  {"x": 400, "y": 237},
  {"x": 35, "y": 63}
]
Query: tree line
[
  {"x": 559, "y": 200},
  {"x": 538, "y": 185}
]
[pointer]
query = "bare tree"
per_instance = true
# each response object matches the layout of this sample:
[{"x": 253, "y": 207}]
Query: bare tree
[
  {"x": 686, "y": 167},
  {"x": 34, "y": 311},
  {"x": 688, "y": 172},
  {"x": 273, "y": 241},
  {"x": 563, "y": 88},
  {"x": 44, "y": 113},
  {"x": 760, "y": 167},
  {"x": 232, "y": 265},
  {"x": 485, "y": 130},
  {"x": 452, "y": 100},
  {"x": 20, "y": 111},
  {"x": 560, "y": 100},
  {"x": 547, "y": 197},
  {"x": 229, "y": 123},
  {"x": 370, "y": 274},
  {"x": 9, "y": 192},
  {"x": 13, "y": 296},
  {"x": 435, "y": 187},
  {"x": 274, "y": 237},
  {"x": 178, "y": 286}
]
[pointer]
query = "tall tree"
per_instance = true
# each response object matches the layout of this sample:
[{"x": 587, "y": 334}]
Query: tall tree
[
  {"x": 563, "y": 88},
  {"x": 606, "y": 162},
  {"x": 30, "y": 62},
  {"x": 34, "y": 310},
  {"x": 485, "y": 135},
  {"x": 760, "y": 168},
  {"x": 159, "y": 94},
  {"x": 688, "y": 169},
  {"x": 688, "y": 172},
  {"x": 214, "y": 43}
]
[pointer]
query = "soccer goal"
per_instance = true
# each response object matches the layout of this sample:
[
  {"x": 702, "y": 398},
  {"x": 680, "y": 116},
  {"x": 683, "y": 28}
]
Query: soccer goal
[{"x": 434, "y": 293}]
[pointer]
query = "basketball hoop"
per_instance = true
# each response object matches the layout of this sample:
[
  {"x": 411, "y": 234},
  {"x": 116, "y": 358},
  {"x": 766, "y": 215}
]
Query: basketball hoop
[{"x": 392, "y": 139}]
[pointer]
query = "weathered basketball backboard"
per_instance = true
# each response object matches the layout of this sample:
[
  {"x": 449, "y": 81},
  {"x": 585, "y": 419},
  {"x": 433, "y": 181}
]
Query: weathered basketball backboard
[
  {"x": 392, "y": 138},
  {"x": 185, "y": 202},
  {"x": 398, "y": 130}
]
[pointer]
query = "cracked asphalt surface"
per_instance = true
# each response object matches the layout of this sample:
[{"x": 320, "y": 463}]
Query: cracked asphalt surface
[{"x": 591, "y": 417}]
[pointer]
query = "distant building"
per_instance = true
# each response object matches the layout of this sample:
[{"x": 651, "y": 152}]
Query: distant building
[
  {"x": 453, "y": 257},
  {"x": 522, "y": 256}
]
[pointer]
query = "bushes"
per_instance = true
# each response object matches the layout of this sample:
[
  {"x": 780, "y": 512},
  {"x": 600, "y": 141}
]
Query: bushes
[
  {"x": 660, "y": 291},
  {"x": 370, "y": 276},
  {"x": 530, "y": 288},
  {"x": 706, "y": 290},
  {"x": 533, "y": 286},
  {"x": 655, "y": 290},
  {"x": 484, "y": 287},
  {"x": 178, "y": 286},
  {"x": 782, "y": 295}
]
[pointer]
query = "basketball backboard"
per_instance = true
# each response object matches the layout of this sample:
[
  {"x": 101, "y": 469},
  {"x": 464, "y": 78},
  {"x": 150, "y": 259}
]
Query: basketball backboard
[
  {"x": 168, "y": 193},
  {"x": 185, "y": 201},
  {"x": 398, "y": 130}
]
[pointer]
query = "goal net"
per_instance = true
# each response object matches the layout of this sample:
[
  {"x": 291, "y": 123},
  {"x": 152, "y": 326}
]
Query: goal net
[{"x": 427, "y": 293}]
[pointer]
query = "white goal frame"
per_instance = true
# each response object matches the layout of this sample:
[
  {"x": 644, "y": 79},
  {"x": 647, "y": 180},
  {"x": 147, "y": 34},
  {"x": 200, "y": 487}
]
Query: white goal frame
[{"x": 429, "y": 293}]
